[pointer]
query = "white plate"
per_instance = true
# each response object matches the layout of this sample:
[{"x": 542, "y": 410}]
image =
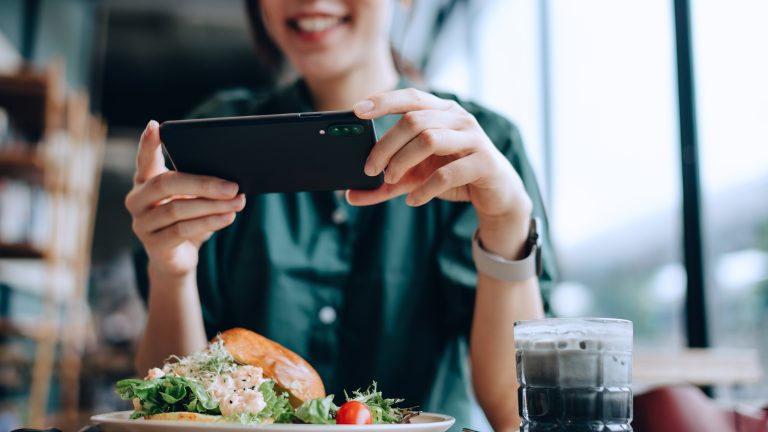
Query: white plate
[{"x": 120, "y": 422}]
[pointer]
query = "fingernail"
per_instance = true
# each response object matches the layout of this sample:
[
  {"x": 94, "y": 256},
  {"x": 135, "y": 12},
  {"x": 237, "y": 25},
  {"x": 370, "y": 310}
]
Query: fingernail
[
  {"x": 150, "y": 127},
  {"x": 241, "y": 200},
  {"x": 388, "y": 177},
  {"x": 369, "y": 169},
  {"x": 363, "y": 107},
  {"x": 229, "y": 188}
]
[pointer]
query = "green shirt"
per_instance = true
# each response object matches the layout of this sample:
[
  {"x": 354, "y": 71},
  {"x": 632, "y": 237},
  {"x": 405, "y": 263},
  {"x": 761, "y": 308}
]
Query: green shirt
[{"x": 382, "y": 293}]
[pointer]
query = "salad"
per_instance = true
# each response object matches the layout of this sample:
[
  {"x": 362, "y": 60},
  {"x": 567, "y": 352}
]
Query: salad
[{"x": 212, "y": 385}]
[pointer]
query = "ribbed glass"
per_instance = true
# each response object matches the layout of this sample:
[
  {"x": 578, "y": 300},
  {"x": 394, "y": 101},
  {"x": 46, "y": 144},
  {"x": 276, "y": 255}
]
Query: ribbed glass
[{"x": 575, "y": 374}]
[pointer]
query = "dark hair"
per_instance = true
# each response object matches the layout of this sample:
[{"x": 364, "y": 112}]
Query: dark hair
[{"x": 266, "y": 48}]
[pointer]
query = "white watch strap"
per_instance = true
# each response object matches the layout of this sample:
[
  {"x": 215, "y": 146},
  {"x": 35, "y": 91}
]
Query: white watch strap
[{"x": 501, "y": 268}]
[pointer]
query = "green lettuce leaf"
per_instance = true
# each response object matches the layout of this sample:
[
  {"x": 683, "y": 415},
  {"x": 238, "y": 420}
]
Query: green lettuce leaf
[
  {"x": 317, "y": 411},
  {"x": 278, "y": 408},
  {"x": 167, "y": 394}
]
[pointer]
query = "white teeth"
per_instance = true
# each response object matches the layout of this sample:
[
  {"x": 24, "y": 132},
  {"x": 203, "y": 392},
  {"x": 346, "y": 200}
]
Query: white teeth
[{"x": 317, "y": 24}]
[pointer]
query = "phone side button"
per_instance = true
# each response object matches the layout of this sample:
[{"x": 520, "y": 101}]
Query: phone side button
[{"x": 310, "y": 115}]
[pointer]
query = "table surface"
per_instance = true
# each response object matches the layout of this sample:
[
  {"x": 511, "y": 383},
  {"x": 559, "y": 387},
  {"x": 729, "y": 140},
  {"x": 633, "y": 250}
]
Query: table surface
[{"x": 701, "y": 367}]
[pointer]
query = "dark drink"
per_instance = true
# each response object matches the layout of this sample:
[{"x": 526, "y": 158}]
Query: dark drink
[{"x": 574, "y": 374}]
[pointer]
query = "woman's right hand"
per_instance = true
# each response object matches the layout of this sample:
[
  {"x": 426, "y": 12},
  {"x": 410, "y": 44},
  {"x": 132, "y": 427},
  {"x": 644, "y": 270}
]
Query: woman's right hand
[{"x": 174, "y": 213}]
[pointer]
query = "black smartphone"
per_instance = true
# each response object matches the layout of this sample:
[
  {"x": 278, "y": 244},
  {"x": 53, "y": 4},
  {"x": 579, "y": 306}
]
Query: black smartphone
[{"x": 311, "y": 151}]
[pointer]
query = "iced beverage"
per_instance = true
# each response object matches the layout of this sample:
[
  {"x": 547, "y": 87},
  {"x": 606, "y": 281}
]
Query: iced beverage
[{"x": 574, "y": 374}]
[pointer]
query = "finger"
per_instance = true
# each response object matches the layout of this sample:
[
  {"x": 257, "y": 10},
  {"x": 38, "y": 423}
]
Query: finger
[
  {"x": 405, "y": 130},
  {"x": 149, "y": 160},
  {"x": 440, "y": 142},
  {"x": 453, "y": 175},
  {"x": 173, "y": 184},
  {"x": 399, "y": 102},
  {"x": 193, "y": 229},
  {"x": 375, "y": 196},
  {"x": 186, "y": 209}
]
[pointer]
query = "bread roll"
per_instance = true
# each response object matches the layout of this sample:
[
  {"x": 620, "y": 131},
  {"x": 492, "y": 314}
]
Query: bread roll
[
  {"x": 185, "y": 416},
  {"x": 290, "y": 372}
]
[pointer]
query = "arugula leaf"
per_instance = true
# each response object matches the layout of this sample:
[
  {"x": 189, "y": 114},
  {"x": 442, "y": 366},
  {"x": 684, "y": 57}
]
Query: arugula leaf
[
  {"x": 167, "y": 394},
  {"x": 317, "y": 411},
  {"x": 382, "y": 410}
]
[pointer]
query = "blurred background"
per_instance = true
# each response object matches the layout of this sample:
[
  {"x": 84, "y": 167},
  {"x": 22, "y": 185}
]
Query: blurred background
[{"x": 598, "y": 88}]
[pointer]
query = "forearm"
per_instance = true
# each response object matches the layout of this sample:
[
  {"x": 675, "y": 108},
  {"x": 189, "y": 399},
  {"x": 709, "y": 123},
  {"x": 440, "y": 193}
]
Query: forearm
[
  {"x": 175, "y": 321},
  {"x": 498, "y": 305}
]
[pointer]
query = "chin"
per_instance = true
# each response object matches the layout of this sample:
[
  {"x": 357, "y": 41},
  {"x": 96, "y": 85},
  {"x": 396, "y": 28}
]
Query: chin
[{"x": 322, "y": 68}]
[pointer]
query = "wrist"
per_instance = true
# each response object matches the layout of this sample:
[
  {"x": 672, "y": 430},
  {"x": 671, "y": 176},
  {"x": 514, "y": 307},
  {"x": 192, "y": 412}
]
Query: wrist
[
  {"x": 506, "y": 235},
  {"x": 171, "y": 264},
  {"x": 169, "y": 281}
]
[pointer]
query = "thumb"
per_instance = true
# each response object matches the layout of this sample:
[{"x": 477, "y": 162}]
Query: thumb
[
  {"x": 150, "y": 161},
  {"x": 385, "y": 192}
]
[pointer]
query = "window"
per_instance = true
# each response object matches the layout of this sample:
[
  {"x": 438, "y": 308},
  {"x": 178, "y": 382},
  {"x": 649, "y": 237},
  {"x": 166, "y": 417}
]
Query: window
[
  {"x": 732, "y": 90},
  {"x": 593, "y": 87},
  {"x": 615, "y": 206}
]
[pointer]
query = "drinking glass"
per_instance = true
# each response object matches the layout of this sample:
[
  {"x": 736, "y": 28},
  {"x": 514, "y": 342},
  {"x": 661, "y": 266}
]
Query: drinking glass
[{"x": 574, "y": 374}]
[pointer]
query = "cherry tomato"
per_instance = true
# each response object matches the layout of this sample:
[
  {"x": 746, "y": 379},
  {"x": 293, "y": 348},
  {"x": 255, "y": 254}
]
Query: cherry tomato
[{"x": 354, "y": 412}]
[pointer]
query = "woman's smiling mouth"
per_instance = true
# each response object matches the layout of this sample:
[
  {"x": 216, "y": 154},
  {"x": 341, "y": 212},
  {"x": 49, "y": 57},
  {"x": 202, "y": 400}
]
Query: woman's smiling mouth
[{"x": 314, "y": 27}]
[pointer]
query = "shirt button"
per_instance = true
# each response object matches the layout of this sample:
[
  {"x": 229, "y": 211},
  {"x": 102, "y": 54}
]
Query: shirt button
[
  {"x": 339, "y": 216},
  {"x": 327, "y": 315}
]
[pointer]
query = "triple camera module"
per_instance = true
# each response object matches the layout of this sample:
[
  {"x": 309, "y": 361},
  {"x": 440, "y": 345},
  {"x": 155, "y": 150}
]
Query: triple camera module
[{"x": 345, "y": 129}]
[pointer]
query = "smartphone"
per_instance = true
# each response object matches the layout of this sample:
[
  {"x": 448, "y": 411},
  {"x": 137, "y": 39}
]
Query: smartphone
[{"x": 312, "y": 151}]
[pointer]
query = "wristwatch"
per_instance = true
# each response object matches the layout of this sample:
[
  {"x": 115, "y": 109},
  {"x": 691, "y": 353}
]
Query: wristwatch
[{"x": 503, "y": 269}]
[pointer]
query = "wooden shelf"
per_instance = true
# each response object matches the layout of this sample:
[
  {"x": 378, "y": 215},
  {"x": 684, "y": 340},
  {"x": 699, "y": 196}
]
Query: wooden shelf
[
  {"x": 26, "y": 97},
  {"x": 40, "y": 108},
  {"x": 23, "y": 165},
  {"x": 33, "y": 83},
  {"x": 36, "y": 330},
  {"x": 9, "y": 250}
]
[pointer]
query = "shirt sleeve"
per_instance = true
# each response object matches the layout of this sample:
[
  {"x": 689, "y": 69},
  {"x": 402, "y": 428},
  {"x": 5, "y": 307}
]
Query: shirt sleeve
[{"x": 454, "y": 255}]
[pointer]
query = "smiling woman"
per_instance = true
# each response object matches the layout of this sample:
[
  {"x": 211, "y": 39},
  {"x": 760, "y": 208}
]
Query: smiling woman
[{"x": 397, "y": 272}]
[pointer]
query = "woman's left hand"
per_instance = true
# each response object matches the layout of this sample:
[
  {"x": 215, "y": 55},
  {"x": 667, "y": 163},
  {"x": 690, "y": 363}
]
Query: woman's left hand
[{"x": 438, "y": 150}]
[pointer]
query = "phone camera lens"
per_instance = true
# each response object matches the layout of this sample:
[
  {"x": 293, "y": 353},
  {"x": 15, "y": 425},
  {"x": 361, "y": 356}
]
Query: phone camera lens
[{"x": 346, "y": 130}]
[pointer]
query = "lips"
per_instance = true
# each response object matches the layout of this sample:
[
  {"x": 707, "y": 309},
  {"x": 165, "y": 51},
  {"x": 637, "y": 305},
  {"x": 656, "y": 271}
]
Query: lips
[{"x": 314, "y": 27}]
